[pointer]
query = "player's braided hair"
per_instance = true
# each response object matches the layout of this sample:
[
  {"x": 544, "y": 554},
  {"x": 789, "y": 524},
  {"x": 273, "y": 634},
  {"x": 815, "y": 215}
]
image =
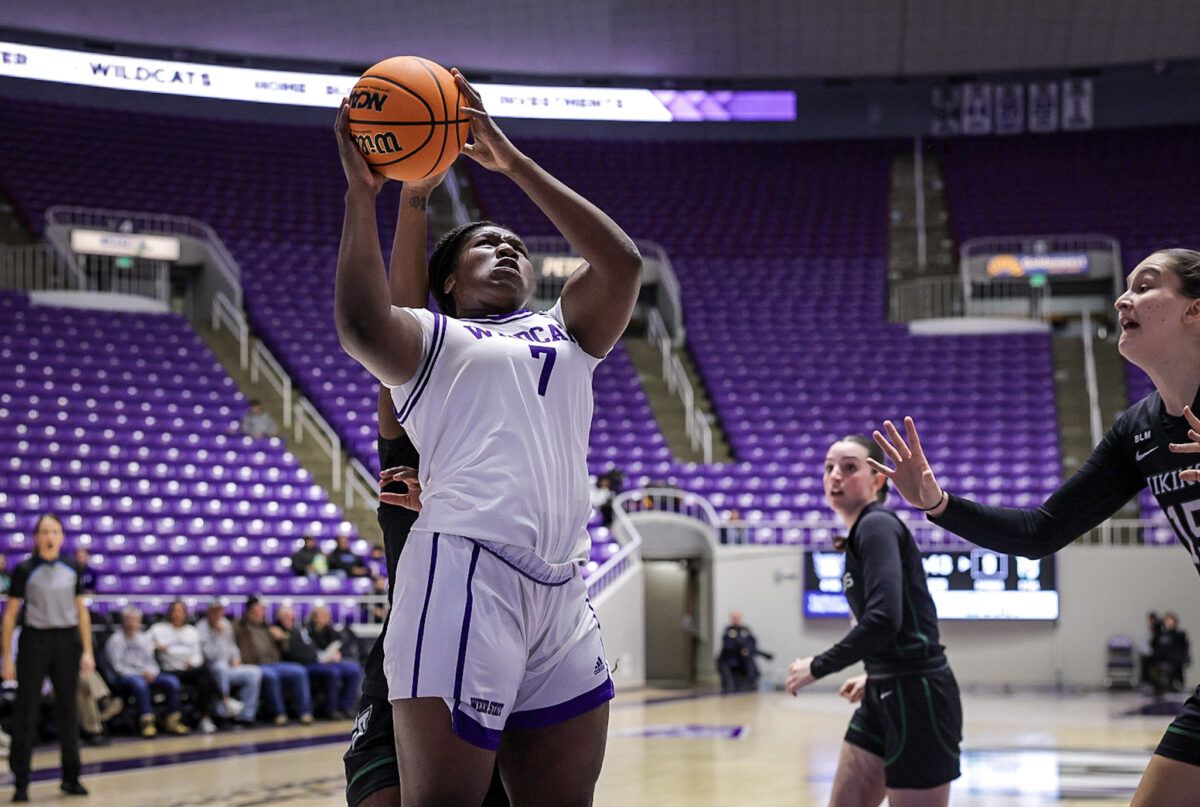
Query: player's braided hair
[
  {"x": 445, "y": 256},
  {"x": 875, "y": 453},
  {"x": 1186, "y": 264}
]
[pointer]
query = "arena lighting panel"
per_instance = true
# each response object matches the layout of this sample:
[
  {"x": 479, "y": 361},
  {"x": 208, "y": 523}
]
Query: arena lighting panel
[{"x": 327, "y": 89}]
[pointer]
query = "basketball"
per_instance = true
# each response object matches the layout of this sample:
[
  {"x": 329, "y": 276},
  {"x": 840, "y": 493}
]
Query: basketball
[{"x": 404, "y": 115}]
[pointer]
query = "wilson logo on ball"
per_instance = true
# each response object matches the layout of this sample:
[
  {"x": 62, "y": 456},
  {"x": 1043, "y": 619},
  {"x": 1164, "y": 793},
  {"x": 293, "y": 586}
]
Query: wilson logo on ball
[
  {"x": 365, "y": 99},
  {"x": 379, "y": 143}
]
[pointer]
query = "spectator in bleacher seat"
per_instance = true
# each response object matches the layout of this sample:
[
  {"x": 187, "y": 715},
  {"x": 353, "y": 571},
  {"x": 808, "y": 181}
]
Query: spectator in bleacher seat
[
  {"x": 308, "y": 560},
  {"x": 342, "y": 559},
  {"x": 1170, "y": 654},
  {"x": 130, "y": 653},
  {"x": 177, "y": 643},
  {"x": 602, "y": 498},
  {"x": 339, "y": 680},
  {"x": 378, "y": 611},
  {"x": 257, "y": 423},
  {"x": 262, "y": 644},
  {"x": 87, "y": 577},
  {"x": 56, "y": 641},
  {"x": 5, "y": 580},
  {"x": 223, "y": 658},
  {"x": 377, "y": 563}
]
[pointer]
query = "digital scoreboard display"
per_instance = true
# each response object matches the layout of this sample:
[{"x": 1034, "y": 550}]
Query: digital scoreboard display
[{"x": 964, "y": 583}]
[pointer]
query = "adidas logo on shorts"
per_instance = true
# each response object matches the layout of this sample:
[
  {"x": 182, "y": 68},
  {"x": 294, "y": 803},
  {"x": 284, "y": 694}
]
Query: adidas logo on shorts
[{"x": 600, "y": 666}]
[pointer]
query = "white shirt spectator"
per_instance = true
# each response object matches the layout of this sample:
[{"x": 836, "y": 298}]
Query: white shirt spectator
[
  {"x": 178, "y": 648},
  {"x": 131, "y": 655},
  {"x": 218, "y": 645}
]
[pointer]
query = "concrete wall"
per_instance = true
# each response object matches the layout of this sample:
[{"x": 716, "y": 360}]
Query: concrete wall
[
  {"x": 1105, "y": 591},
  {"x": 621, "y": 611}
]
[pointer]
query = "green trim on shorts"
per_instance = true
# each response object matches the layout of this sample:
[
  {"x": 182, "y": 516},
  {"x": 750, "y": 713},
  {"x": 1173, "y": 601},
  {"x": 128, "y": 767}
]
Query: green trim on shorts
[
  {"x": 856, "y": 727},
  {"x": 1184, "y": 732},
  {"x": 903, "y": 726},
  {"x": 933, "y": 719},
  {"x": 370, "y": 766}
]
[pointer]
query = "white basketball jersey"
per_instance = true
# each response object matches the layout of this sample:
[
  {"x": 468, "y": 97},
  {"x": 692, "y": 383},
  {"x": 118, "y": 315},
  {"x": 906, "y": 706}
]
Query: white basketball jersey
[{"x": 500, "y": 410}]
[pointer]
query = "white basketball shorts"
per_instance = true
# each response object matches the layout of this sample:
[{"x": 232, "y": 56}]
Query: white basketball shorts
[{"x": 509, "y": 641}]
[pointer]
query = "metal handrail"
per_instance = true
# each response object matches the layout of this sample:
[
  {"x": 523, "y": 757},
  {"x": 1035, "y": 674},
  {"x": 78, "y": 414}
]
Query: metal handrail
[
  {"x": 151, "y": 222},
  {"x": 1030, "y": 243},
  {"x": 224, "y": 313},
  {"x": 307, "y": 418},
  {"x": 1093, "y": 386},
  {"x": 626, "y": 558},
  {"x": 34, "y": 267},
  {"x": 359, "y": 483},
  {"x": 699, "y": 430},
  {"x": 265, "y": 364}
]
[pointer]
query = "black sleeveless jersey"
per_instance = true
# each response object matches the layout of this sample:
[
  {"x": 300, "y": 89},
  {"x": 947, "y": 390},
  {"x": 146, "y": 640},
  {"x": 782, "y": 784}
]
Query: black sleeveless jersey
[
  {"x": 1133, "y": 455},
  {"x": 395, "y": 523},
  {"x": 896, "y": 629}
]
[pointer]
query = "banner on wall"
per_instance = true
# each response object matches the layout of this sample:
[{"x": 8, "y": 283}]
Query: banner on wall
[
  {"x": 130, "y": 245},
  {"x": 946, "y": 104},
  {"x": 326, "y": 90},
  {"x": 976, "y": 108},
  {"x": 1010, "y": 108},
  {"x": 1077, "y": 104},
  {"x": 1054, "y": 264},
  {"x": 1043, "y": 106}
]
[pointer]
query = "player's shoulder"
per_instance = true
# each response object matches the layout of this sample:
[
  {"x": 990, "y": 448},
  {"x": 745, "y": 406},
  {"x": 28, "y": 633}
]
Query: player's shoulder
[
  {"x": 1138, "y": 418},
  {"x": 26, "y": 566},
  {"x": 879, "y": 522}
]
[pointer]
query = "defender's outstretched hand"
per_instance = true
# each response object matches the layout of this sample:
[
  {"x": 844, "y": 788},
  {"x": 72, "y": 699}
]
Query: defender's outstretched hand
[
  {"x": 912, "y": 476},
  {"x": 1192, "y": 474},
  {"x": 488, "y": 147},
  {"x": 411, "y": 498}
]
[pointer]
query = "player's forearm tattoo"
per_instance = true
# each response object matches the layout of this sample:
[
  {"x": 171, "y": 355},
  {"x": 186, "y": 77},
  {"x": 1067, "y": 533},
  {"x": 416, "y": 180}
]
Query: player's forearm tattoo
[{"x": 419, "y": 202}]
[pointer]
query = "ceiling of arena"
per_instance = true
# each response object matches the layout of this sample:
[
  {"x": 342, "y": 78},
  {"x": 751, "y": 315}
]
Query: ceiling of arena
[{"x": 719, "y": 38}]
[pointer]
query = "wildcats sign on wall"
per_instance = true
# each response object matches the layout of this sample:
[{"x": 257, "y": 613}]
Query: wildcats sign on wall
[
  {"x": 326, "y": 90},
  {"x": 977, "y": 108}
]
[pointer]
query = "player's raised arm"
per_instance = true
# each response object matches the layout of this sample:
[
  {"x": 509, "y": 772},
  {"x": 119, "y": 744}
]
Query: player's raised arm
[
  {"x": 1094, "y": 493},
  {"x": 599, "y": 297},
  {"x": 385, "y": 340}
]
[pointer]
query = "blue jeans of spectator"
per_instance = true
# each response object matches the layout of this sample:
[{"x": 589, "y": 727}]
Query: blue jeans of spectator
[
  {"x": 246, "y": 679},
  {"x": 165, "y": 683},
  {"x": 340, "y": 682},
  {"x": 292, "y": 675}
]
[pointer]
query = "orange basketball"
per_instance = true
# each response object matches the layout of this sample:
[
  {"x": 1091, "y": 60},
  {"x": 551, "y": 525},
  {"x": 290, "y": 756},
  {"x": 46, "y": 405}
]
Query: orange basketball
[{"x": 405, "y": 116}]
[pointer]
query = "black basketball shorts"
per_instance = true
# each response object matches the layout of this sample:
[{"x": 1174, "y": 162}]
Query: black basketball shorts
[
  {"x": 914, "y": 724},
  {"x": 1181, "y": 741}
]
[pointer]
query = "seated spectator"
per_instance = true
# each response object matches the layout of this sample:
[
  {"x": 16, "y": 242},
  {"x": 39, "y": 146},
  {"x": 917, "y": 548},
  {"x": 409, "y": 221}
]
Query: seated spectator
[
  {"x": 1170, "y": 654},
  {"x": 377, "y": 563},
  {"x": 96, "y": 706},
  {"x": 223, "y": 658},
  {"x": 340, "y": 681},
  {"x": 87, "y": 577},
  {"x": 308, "y": 560},
  {"x": 737, "y": 663},
  {"x": 378, "y": 610},
  {"x": 5, "y": 579},
  {"x": 177, "y": 643},
  {"x": 262, "y": 645},
  {"x": 257, "y": 423},
  {"x": 342, "y": 560},
  {"x": 602, "y": 498},
  {"x": 130, "y": 653}
]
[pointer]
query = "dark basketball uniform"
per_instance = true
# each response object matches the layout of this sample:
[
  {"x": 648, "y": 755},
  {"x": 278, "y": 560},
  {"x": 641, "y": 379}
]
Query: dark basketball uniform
[
  {"x": 371, "y": 759},
  {"x": 910, "y": 715},
  {"x": 1133, "y": 455}
]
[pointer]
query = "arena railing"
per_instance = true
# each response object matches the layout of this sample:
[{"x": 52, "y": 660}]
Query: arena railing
[
  {"x": 948, "y": 296},
  {"x": 654, "y": 256},
  {"x": 359, "y": 484},
  {"x": 308, "y": 419},
  {"x": 36, "y": 267},
  {"x": 263, "y": 364},
  {"x": 146, "y": 222},
  {"x": 699, "y": 430},
  {"x": 348, "y": 609},
  {"x": 224, "y": 314},
  {"x": 626, "y": 558}
]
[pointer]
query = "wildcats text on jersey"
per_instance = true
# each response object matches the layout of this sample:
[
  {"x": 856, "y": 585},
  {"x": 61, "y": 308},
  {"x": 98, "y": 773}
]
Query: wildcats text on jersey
[{"x": 534, "y": 334}]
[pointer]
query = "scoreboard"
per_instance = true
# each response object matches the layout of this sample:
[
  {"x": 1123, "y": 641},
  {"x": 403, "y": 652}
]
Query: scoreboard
[{"x": 964, "y": 583}]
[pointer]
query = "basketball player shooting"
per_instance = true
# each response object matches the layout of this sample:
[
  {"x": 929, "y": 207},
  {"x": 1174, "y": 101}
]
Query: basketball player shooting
[
  {"x": 1151, "y": 445},
  {"x": 494, "y": 652}
]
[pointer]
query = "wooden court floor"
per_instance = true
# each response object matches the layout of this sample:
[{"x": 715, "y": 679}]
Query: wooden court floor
[{"x": 667, "y": 749}]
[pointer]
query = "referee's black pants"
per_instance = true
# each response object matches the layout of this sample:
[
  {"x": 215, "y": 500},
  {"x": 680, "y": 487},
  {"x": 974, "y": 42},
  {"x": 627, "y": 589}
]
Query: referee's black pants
[{"x": 54, "y": 652}]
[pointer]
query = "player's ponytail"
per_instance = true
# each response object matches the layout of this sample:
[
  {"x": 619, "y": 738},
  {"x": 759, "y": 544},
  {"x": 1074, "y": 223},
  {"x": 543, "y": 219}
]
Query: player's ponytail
[
  {"x": 1186, "y": 264},
  {"x": 445, "y": 258},
  {"x": 875, "y": 453}
]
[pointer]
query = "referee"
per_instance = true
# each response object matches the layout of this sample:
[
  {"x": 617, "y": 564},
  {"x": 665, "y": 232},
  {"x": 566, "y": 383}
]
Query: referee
[{"x": 56, "y": 640}]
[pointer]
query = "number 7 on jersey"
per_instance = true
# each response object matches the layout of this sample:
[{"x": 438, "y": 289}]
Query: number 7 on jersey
[{"x": 550, "y": 354}]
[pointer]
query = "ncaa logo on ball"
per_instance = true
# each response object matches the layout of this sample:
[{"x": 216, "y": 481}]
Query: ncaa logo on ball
[{"x": 368, "y": 99}]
